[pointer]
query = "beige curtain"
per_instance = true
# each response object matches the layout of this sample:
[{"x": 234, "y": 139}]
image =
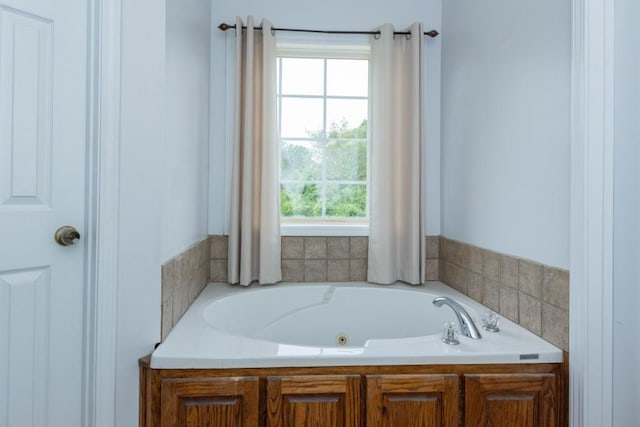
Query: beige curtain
[
  {"x": 396, "y": 231},
  {"x": 254, "y": 235}
]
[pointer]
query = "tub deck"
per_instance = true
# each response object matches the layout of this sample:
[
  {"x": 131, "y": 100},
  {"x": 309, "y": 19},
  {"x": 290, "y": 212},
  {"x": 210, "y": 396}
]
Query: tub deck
[{"x": 200, "y": 341}]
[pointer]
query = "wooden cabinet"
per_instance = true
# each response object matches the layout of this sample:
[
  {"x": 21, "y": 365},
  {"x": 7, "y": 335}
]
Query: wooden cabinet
[
  {"x": 315, "y": 400},
  {"x": 209, "y": 402},
  {"x": 413, "y": 400},
  {"x": 510, "y": 400},
  {"x": 355, "y": 396}
]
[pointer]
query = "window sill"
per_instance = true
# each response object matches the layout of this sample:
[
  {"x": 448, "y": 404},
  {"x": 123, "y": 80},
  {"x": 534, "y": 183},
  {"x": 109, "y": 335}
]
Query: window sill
[{"x": 324, "y": 230}]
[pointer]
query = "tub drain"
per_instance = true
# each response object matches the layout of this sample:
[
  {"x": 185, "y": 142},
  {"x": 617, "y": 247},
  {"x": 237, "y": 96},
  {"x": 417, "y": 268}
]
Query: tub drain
[{"x": 342, "y": 339}]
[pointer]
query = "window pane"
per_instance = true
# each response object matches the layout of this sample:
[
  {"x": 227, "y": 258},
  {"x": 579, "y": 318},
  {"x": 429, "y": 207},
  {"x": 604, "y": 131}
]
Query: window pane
[
  {"x": 302, "y": 76},
  {"x": 347, "y": 77},
  {"x": 344, "y": 115},
  {"x": 301, "y": 160},
  {"x": 347, "y": 160},
  {"x": 347, "y": 200},
  {"x": 301, "y": 118},
  {"x": 302, "y": 200}
]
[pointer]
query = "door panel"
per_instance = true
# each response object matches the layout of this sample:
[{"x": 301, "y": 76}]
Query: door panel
[
  {"x": 413, "y": 400},
  {"x": 26, "y": 43},
  {"x": 43, "y": 79},
  {"x": 24, "y": 309},
  {"x": 210, "y": 402},
  {"x": 511, "y": 400},
  {"x": 314, "y": 401}
]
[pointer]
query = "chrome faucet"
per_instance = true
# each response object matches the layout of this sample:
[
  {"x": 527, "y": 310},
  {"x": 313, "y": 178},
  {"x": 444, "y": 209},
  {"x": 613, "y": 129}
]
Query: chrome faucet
[{"x": 467, "y": 327}]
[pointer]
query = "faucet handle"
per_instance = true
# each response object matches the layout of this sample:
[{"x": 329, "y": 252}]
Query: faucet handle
[
  {"x": 490, "y": 321},
  {"x": 450, "y": 333}
]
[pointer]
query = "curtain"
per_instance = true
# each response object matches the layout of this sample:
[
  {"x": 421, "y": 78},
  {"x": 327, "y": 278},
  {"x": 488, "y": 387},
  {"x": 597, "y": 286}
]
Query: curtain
[
  {"x": 396, "y": 228},
  {"x": 254, "y": 234}
]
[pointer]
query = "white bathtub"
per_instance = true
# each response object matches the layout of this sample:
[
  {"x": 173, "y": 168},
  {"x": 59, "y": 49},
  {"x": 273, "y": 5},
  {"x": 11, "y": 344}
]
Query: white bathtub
[{"x": 301, "y": 325}]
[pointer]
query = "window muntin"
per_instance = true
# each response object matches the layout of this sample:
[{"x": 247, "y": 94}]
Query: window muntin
[{"x": 323, "y": 112}]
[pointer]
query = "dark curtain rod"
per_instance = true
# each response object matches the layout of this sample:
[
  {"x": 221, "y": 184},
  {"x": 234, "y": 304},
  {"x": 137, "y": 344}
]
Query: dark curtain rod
[{"x": 224, "y": 27}]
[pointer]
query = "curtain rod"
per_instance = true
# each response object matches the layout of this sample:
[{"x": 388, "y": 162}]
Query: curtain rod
[{"x": 224, "y": 27}]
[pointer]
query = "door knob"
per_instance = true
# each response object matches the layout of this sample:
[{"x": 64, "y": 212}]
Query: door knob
[{"x": 67, "y": 235}]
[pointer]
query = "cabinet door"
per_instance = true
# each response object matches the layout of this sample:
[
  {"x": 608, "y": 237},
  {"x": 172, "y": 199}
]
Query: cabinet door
[
  {"x": 413, "y": 400},
  {"x": 511, "y": 400},
  {"x": 314, "y": 401},
  {"x": 210, "y": 402}
]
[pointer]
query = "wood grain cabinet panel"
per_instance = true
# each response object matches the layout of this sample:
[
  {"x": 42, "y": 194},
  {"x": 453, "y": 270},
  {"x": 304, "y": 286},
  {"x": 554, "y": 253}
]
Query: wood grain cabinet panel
[
  {"x": 210, "y": 402},
  {"x": 511, "y": 400},
  {"x": 515, "y": 395},
  {"x": 314, "y": 401},
  {"x": 413, "y": 400}
]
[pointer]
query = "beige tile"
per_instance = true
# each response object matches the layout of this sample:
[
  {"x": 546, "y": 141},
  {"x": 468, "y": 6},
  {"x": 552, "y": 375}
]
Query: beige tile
[
  {"x": 315, "y": 247},
  {"x": 446, "y": 273},
  {"x": 433, "y": 247},
  {"x": 292, "y": 247},
  {"x": 475, "y": 259},
  {"x": 359, "y": 247},
  {"x": 204, "y": 251},
  {"x": 218, "y": 270},
  {"x": 358, "y": 270},
  {"x": 530, "y": 277},
  {"x": 460, "y": 253},
  {"x": 183, "y": 278},
  {"x": 167, "y": 318},
  {"x": 491, "y": 294},
  {"x": 178, "y": 304},
  {"x": 446, "y": 249},
  {"x": 337, "y": 247},
  {"x": 555, "y": 287},
  {"x": 490, "y": 264},
  {"x": 509, "y": 303},
  {"x": 219, "y": 247},
  {"x": 167, "y": 274},
  {"x": 338, "y": 270},
  {"x": 292, "y": 270},
  {"x": 459, "y": 279},
  {"x": 315, "y": 270},
  {"x": 508, "y": 270},
  {"x": 168, "y": 284},
  {"x": 530, "y": 313},
  {"x": 555, "y": 325},
  {"x": 474, "y": 288},
  {"x": 186, "y": 298},
  {"x": 433, "y": 269}
]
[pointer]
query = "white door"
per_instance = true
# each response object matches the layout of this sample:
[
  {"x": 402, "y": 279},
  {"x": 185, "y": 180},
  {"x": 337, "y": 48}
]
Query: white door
[{"x": 43, "y": 79}]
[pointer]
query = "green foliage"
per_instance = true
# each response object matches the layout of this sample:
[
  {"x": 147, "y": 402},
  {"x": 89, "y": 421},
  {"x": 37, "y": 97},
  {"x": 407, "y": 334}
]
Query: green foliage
[
  {"x": 346, "y": 201},
  {"x": 300, "y": 200},
  {"x": 286, "y": 205},
  {"x": 346, "y": 160}
]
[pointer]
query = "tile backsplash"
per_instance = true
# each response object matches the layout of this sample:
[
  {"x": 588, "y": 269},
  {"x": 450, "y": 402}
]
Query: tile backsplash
[
  {"x": 183, "y": 278},
  {"x": 320, "y": 259},
  {"x": 534, "y": 295}
]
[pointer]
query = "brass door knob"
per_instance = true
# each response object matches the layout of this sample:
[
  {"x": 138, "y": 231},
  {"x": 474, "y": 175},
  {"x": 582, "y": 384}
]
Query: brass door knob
[{"x": 67, "y": 235}]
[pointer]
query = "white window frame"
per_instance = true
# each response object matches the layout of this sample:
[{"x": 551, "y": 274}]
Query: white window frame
[{"x": 333, "y": 48}]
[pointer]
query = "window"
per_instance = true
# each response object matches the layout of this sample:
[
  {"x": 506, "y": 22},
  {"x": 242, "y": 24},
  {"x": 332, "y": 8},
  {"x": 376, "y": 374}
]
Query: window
[{"x": 323, "y": 112}]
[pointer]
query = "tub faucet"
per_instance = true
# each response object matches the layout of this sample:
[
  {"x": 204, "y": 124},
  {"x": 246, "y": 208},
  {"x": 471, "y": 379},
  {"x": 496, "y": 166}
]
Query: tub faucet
[{"x": 467, "y": 327}]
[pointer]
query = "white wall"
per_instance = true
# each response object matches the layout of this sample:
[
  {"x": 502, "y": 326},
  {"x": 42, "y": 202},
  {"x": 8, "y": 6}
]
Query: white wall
[
  {"x": 505, "y": 126},
  {"x": 163, "y": 167},
  {"x": 328, "y": 14},
  {"x": 141, "y": 184},
  {"x": 186, "y": 148},
  {"x": 626, "y": 273}
]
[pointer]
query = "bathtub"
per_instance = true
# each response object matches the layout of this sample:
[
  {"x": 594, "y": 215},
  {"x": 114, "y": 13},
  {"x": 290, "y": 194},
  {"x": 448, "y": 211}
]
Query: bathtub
[{"x": 336, "y": 324}]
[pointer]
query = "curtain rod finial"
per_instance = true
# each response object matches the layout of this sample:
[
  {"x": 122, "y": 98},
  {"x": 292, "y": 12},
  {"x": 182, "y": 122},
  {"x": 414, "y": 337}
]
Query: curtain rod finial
[
  {"x": 432, "y": 33},
  {"x": 224, "y": 26}
]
